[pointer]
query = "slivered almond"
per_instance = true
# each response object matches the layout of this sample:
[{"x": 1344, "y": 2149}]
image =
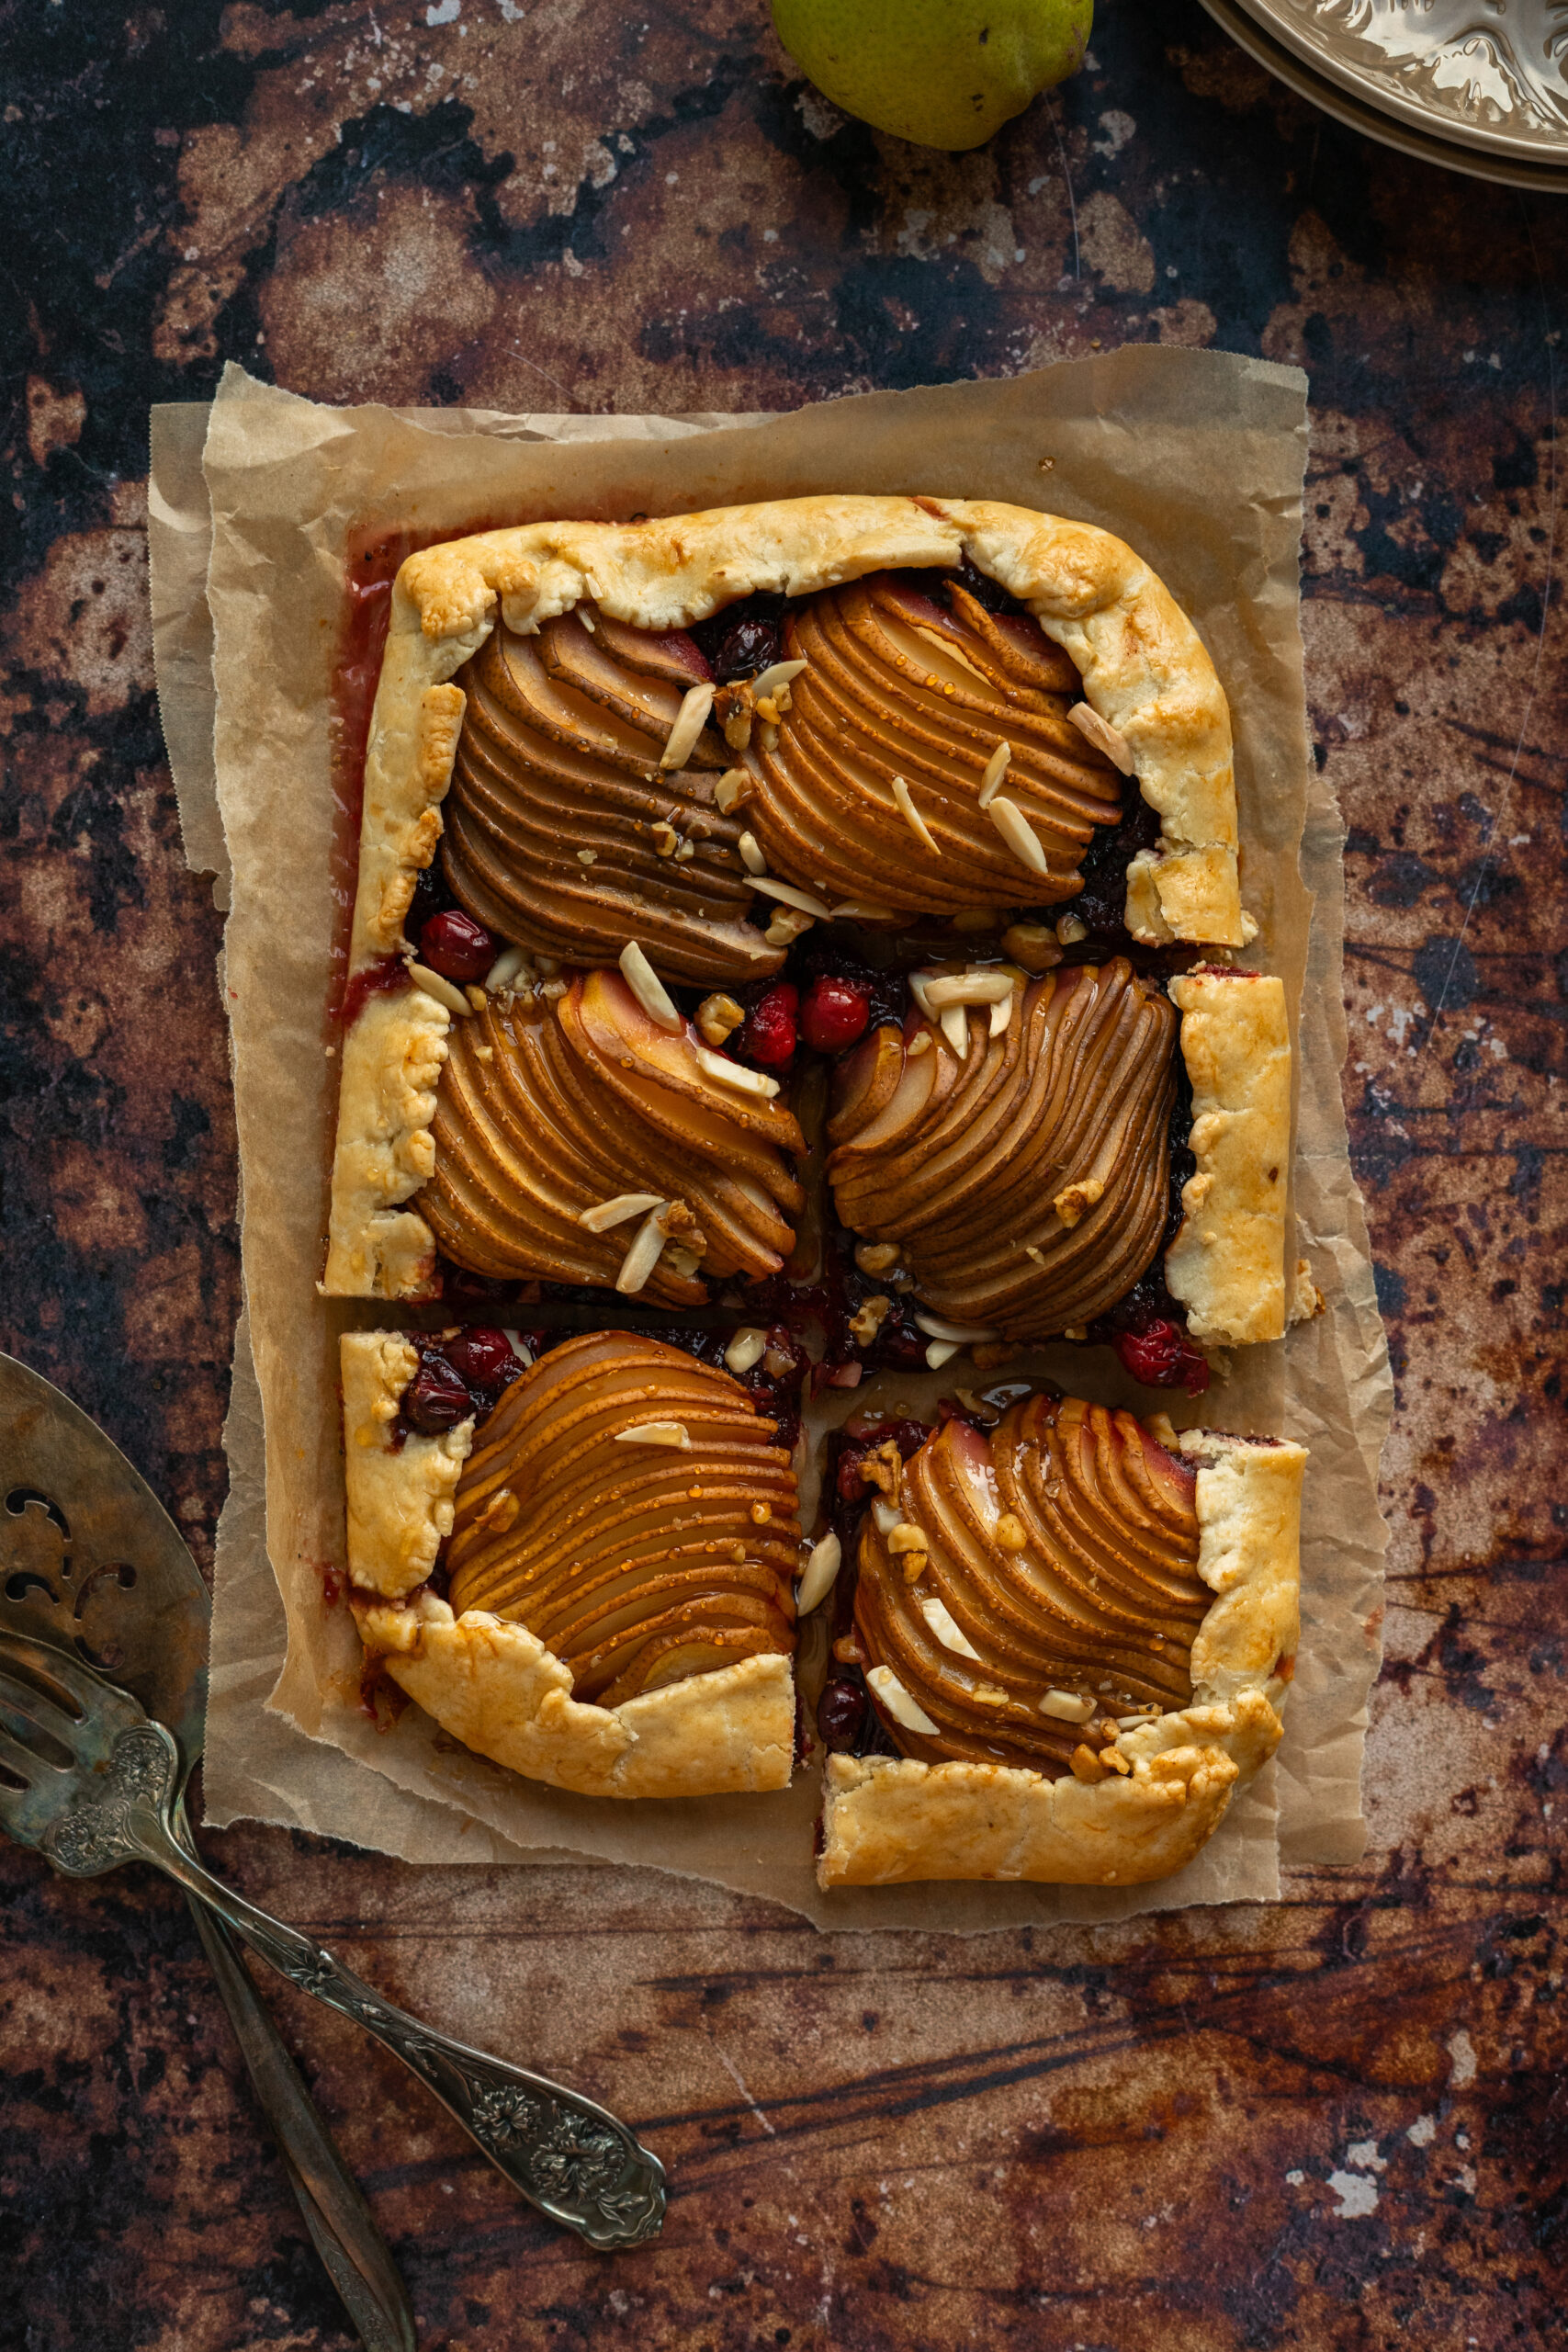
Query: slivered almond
[
  {"x": 1067, "y": 1706},
  {"x": 969, "y": 987},
  {"x": 920, "y": 1043},
  {"x": 886, "y": 1515},
  {"x": 650, "y": 989},
  {"x": 442, "y": 991},
  {"x": 745, "y": 1349},
  {"x": 905, "y": 801},
  {"x": 861, "y": 910},
  {"x": 818, "y": 909},
  {"x": 586, "y": 617},
  {"x": 778, "y": 674},
  {"x": 672, "y": 1433},
  {"x": 619, "y": 1210},
  {"x": 897, "y": 1701},
  {"x": 1103, "y": 736},
  {"x": 1001, "y": 1013},
  {"x": 817, "y": 1576},
  {"x": 736, "y": 1074},
  {"x": 510, "y": 965},
  {"x": 751, "y": 856},
  {"x": 1013, "y": 827},
  {"x": 961, "y": 1334},
  {"x": 955, "y": 1027},
  {"x": 644, "y": 1254},
  {"x": 939, "y": 1352},
  {"x": 918, "y": 984},
  {"x": 690, "y": 720},
  {"x": 996, "y": 768},
  {"x": 948, "y": 1632},
  {"x": 733, "y": 787}
]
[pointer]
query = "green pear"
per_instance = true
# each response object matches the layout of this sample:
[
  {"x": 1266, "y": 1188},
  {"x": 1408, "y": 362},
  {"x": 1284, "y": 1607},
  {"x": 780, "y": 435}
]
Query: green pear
[{"x": 941, "y": 72}]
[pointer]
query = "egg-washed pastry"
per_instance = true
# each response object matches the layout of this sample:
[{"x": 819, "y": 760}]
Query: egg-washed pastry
[{"x": 1065, "y": 1642}]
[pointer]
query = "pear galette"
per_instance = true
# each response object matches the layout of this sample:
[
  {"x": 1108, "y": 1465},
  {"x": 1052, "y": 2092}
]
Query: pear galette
[{"x": 818, "y": 913}]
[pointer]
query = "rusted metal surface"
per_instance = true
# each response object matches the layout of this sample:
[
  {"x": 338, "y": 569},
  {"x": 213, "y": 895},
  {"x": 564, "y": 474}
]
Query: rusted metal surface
[{"x": 1338, "y": 2123}]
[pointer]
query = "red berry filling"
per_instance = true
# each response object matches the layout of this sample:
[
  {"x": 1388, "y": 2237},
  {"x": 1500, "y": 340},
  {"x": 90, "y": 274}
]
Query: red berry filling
[
  {"x": 457, "y": 947},
  {"x": 835, "y": 1014},
  {"x": 769, "y": 1035},
  {"x": 1162, "y": 1356}
]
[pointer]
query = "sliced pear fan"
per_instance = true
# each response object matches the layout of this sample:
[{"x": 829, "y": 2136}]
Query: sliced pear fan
[
  {"x": 872, "y": 790},
  {"x": 637, "y": 1563},
  {"x": 570, "y": 1134},
  {"x": 961, "y": 1154},
  {"x": 560, "y": 756},
  {"x": 1009, "y": 1652}
]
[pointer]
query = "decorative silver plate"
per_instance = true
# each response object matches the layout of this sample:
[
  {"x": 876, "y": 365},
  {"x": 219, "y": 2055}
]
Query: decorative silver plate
[{"x": 1480, "y": 86}]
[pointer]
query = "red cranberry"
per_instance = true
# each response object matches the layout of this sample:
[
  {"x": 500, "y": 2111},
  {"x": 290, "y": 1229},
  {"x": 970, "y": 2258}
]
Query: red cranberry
[
  {"x": 835, "y": 1014},
  {"x": 457, "y": 947},
  {"x": 436, "y": 1399},
  {"x": 1162, "y": 1356},
  {"x": 841, "y": 1715},
  {"x": 483, "y": 1357},
  {"x": 769, "y": 1034}
]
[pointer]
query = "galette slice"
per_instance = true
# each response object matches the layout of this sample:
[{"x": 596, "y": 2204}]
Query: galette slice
[
  {"x": 1074, "y": 1628},
  {"x": 583, "y": 1567}
]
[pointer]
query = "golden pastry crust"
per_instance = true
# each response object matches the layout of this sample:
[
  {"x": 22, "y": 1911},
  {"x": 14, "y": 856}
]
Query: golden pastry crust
[
  {"x": 887, "y": 1821},
  {"x": 393, "y": 1057},
  {"x": 492, "y": 1684},
  {"x": 399, "y": 1500},
  {"x": 1228, "y": 1262},
  {"x": 1144, "y": 667}
]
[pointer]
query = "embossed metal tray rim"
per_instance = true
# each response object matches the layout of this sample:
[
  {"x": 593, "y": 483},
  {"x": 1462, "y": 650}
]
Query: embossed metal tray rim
[{"x": 1251, "y": 24}]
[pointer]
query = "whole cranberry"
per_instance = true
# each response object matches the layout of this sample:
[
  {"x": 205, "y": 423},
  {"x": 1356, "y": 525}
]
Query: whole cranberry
[
  {"x": 840, "y": 1714},
  {"x": 483, "y": 1357},
  {"x": 835, "y": 1013},
  {"x": 457, "y": 947},
  {"x": 436, "y": 1398},
  {"x": 768, "y": 1036},
  {"x": 1162, "y": 1356},
  {"x": 748, "y": 645}
]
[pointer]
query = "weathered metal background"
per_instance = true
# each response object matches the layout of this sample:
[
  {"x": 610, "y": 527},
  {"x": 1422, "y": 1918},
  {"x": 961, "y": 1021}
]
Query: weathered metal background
[{"x": 1338, "y": 2122}]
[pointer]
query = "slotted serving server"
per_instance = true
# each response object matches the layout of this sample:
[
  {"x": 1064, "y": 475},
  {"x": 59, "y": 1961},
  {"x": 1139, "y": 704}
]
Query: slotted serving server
[{"x": 103, "y": 1651}]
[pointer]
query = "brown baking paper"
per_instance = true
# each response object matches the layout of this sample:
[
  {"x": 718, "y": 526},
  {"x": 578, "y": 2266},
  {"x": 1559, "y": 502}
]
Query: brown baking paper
[{"x": 1196, "y": 458}]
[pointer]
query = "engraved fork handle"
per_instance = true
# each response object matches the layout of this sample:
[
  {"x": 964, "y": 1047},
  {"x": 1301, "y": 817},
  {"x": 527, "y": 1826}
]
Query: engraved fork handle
[
  {"x": 343, "y": 2229},
  {"x": 568, "y": 2156}
]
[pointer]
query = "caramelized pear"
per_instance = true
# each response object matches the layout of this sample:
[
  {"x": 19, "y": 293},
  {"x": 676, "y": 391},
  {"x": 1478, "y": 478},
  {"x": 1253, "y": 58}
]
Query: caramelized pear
[
  {"x": 550, "y": 1110},
  {"x": 626, "y": 1504},
  {"x": 558, "y": 808},
  {"x": 897, "y": 690},
  {"x": 1025, "y": 1177},
  {"x": 1058, "y": 1584}
]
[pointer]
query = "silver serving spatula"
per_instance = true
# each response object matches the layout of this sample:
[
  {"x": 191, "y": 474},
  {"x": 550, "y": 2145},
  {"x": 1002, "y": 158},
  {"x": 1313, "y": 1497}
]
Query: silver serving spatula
[{"x": 101, "y": 1708}]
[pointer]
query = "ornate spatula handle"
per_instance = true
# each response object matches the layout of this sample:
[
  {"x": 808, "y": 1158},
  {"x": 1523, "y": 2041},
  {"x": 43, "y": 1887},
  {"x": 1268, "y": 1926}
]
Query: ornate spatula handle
[{"x": 565, "y": 2153}]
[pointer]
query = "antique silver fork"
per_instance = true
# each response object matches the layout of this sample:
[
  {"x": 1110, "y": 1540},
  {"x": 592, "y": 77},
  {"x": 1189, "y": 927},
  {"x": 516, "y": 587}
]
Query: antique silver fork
[{"x": 89, "y": 1779}]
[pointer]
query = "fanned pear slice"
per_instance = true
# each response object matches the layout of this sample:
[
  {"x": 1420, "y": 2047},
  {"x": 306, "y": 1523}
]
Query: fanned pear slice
[
  {"x": 696, "y": 1581},
  {"x": 1083, "y": 1607}
]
